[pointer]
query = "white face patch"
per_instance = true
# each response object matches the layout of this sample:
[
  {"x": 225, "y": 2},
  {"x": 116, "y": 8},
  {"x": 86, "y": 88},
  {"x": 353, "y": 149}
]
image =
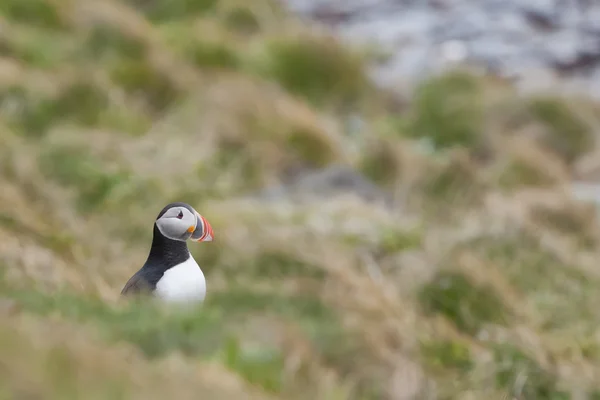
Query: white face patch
[
  {"x": 176, "y": 222},
  {"x": 183, "y": 283}
]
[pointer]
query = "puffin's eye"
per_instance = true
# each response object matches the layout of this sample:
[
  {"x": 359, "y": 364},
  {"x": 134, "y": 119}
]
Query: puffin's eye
[{"x": 180, "y": 215}]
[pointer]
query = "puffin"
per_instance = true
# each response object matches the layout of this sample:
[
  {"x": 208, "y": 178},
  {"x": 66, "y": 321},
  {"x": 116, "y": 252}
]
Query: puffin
[{"x": 170, "y": 273}]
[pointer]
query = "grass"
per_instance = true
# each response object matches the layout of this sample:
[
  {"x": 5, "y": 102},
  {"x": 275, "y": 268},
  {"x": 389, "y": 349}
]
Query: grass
[{"x": 477, "y": 280}]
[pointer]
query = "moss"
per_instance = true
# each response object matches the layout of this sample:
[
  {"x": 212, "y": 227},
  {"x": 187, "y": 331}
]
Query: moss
[
  {"x": 142, "y": 80},
  {"x": 317, "y": 69},
  {"x": 512, "y": 363},
  {"x": 161, "y": 11},
  {"x": 469, "y": 306},
  {"x": 447, "y": 355},
  {"x": 567, "y": 134},
  {"x": 447, "y": 111},
  {"x": 41, "y": 13}
]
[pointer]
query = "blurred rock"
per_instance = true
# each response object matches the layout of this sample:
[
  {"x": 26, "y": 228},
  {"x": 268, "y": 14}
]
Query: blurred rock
[
  {"x": 326, "y": 183},
  {"x": 588, "y": 192},
  {"x": 505, "y": 37}
]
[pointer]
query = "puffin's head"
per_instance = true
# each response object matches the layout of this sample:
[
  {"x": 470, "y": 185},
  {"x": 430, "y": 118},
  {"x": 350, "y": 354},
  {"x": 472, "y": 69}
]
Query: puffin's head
[{"x": 179, "y": 221}]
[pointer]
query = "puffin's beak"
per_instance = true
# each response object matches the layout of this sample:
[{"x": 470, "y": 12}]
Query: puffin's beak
[{"x": 202, "y": 232}]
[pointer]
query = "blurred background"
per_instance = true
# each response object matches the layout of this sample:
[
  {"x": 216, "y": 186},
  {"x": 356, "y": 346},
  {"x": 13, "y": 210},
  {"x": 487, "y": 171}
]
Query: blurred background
[{"x": 404, "y": 197}]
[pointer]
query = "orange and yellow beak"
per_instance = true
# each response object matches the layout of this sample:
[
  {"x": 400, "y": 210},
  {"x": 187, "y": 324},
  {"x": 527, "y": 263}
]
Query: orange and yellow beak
[{"x": 202, "y": 232}]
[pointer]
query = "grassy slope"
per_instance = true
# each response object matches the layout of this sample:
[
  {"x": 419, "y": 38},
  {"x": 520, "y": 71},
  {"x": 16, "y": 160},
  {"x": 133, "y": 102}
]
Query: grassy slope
[{"x": 490, "y": 276}]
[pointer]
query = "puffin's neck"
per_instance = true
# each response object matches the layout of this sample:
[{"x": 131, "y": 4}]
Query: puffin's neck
[{"x": 166, "y": 253}]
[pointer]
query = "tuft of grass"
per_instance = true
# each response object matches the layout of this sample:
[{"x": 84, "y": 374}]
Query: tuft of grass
[
  {"x": 232, "y": 156},
  {"x": 125, "y": 119},
  {"x": 447, "y": 111},
  {"x": 140, "y": 322},
  {"x": 208, "y": 334},
  {"x": 27, "y": 113},
  {"x": 207, "y": 55},
  {"x": 467, "y": 305},
  {"x": 141, "y": 80},
  {"x": 312, "y": 147},
  {"x": 396, "y": 240},
  {"x": 277, "y": 264},
  {"x": 567, "y": 133},
  {"x": 242, "y": 20},
  {"x": 559, "y": 291},
  {"x": 260, "y": 366},
  {"x": 269, "y": 147},
  {"x": 511, "y": 363},
  {"x": 38, "y": 48},
  {"x": 318, "y": 69},
  {"x": 201, "y": 48},
  {"x": 108, "y": 42},
  {"x": 576, "y": 222},
  {"x": 41, "y": 13},
  {"x": 82, "y": 101},
  {"x": 447, "y": 355},
  {"x": 72, "y": 167},
  {"x": 453, "y": 181},
  {"x": 527, "y": 167},
  {"x": 382, "y": 163},
  {"x": 308, "y": 309},
  {"x": 160, "y": 12}
]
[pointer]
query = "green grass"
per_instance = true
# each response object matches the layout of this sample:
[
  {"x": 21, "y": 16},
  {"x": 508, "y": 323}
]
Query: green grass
[
  {"x": 568, "y": 134},
  {"x": 319, "y": 70},
  {"x": 539, "y": 384},
  {"x": 41, "y": 13},
  {"x": 469, "y": 306},
  {"x": 447, "y": 111}
]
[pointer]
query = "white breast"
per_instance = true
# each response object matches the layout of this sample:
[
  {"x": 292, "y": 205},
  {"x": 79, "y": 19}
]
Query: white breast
[{"x": 183, "y": 283}]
